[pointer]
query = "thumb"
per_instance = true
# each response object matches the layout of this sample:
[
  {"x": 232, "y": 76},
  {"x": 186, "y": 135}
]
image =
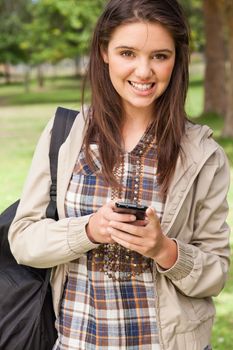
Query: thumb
[{"x": 152, "y": 215}]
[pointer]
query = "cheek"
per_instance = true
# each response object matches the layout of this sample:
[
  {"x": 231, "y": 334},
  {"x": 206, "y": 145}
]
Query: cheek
[
  {"x": 167, "y": 70},
  {"x": 119, "y": 68}
]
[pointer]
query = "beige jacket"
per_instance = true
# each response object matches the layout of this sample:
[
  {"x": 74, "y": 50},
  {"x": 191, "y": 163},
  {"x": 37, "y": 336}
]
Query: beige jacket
[{"x": 194, "y": 215}]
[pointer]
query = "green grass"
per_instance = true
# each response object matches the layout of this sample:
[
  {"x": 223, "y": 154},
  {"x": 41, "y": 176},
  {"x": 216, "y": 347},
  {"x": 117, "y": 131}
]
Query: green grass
[
  {"x": 65, "y": 90},
  {"x": 195, "y": 99},
  {"x": 23, "y": 117}
]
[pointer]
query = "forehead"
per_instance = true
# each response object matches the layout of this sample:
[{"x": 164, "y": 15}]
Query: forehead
[{"x": 142, "y": 35}]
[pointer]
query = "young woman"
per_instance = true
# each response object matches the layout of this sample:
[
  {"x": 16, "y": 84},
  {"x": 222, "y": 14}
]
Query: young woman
[{"x": 121, "y": 283}]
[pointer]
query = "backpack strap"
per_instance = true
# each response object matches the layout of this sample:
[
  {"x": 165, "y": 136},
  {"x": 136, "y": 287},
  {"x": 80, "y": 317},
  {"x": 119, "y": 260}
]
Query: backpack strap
[{"x": 63, "y": 122}]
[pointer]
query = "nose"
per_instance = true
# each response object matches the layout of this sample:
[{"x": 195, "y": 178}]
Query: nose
[{"x": 143, "y": 70}]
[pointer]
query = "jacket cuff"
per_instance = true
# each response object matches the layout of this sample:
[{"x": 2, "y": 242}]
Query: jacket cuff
[
  {"x": 184, "y": 264},
  {"x": 77, "y": 239}
]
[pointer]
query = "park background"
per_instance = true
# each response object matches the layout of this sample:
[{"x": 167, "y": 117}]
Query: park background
[{"x": 43, "y": 55}]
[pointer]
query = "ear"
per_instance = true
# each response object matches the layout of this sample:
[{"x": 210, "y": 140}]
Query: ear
[{"x": 104, "y": 55}]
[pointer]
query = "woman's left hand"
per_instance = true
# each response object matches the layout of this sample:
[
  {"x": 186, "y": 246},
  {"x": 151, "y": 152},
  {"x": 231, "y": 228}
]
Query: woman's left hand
[{"x": 148, "y": 240}]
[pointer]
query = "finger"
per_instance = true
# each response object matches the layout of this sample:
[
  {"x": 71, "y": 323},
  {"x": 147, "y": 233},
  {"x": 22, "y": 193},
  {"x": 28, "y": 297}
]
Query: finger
[
  {"x": 139, "y": 223},
  {"x": 152, "y": 215},
  {"x": 126, "y": 244},
  {"x": 125, "y": 236},
  {"x": 125, "y": 227},
  {"x": 123, "y": 217},
  {"x": 107, "y": 210}
]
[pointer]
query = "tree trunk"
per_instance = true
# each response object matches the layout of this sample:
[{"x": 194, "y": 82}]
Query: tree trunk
[
  {"x": 77, "y": 66},
  {"x": 228, "y": 125},
  {"x": 7, "y": 73},
  {"x": 40, "y": 76},
  {"x": 27, "y": 78},
  {"x": 215, "y": 72}
]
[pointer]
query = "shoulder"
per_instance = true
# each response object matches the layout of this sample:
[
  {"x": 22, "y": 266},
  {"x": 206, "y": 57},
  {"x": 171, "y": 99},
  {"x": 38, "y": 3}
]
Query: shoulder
[
  {"x": 196, "y": 134},
  {"x": 198, "y": 143},
  {"x": 80, "y": 124},
  {"x": 77, "y": 126}
]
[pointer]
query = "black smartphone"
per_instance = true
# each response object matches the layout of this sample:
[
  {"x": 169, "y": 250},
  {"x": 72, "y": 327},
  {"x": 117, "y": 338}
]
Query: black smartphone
[{"x": 131, "y": 208}]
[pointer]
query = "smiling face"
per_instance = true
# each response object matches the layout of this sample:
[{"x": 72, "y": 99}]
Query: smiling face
[{"x": 141, "y": 57}]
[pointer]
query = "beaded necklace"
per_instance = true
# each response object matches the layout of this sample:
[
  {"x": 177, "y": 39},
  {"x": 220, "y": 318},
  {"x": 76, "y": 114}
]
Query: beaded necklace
[{"x": 114, "y": 260}]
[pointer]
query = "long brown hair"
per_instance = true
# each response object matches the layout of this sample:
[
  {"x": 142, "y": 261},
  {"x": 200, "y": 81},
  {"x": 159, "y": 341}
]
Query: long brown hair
[{"x": 106, "y": 117}]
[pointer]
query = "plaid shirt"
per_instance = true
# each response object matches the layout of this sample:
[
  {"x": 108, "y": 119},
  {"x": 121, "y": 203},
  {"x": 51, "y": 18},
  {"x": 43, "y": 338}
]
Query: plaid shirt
[{"x": 97, "y": 312}]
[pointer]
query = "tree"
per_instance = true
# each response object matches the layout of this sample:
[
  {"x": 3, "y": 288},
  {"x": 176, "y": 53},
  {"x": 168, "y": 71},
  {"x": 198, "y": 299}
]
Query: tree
[
  {"x": 59, "y": 29},
  {"x": 218, "y": 44},
  {"x": 228, "y": 125},
  {"x": 13, "y": 15},
  {"x": 39, "y": 31},
  {"x": 215, "y": 57},
  {"x": 194, "y": 13}
]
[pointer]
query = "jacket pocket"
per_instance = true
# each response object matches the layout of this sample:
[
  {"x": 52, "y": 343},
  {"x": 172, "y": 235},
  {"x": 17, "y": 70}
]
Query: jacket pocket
[{"x": 203, "y": 308}]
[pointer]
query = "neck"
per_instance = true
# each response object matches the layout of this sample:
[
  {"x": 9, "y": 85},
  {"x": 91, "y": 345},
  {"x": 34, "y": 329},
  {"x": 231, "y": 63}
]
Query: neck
[
  {"x": 138, "y": 115},
  {"x": 135, "y": 123},
  {"x": 132, "y": 131}
]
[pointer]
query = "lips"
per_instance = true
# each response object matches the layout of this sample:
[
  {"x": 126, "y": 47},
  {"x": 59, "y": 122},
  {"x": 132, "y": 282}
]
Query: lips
[{"x": 142, "y": 86}]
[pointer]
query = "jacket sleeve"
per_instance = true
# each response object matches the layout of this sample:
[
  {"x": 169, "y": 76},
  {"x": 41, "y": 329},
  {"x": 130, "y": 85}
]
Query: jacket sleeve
[
  {"x": 34, "y": 239},
  {"x": 202, "y": 265}
]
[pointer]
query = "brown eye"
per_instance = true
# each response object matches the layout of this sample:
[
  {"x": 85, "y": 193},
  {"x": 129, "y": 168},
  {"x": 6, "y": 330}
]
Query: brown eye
[
  {"x": 127, "y": 53},
  {"x": 160, "y": 56}
]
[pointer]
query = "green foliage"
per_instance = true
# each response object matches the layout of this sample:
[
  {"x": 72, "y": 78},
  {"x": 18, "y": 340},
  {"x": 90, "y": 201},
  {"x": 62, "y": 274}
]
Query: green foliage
[
  {"x": 13, "y": 16},
  {"x": 194, "y": 13},
  {"x": 60, "y": 29},
  {"x": 46, "y": 30}
]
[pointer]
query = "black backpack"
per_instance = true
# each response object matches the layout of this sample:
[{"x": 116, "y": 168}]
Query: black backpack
[{"x": 26, "y": 312}]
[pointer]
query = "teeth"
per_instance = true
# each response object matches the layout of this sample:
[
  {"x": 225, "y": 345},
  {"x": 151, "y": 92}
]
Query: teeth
[{"x": 141, "y": 87}]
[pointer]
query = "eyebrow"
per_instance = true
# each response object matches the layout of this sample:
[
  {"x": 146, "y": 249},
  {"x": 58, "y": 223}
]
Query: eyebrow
[{"x": 133, "y": 48}]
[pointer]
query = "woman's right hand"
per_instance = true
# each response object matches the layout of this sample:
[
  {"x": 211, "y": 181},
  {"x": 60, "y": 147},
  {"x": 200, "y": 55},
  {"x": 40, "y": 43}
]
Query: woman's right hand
[{"x": 97, "y": 227}]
